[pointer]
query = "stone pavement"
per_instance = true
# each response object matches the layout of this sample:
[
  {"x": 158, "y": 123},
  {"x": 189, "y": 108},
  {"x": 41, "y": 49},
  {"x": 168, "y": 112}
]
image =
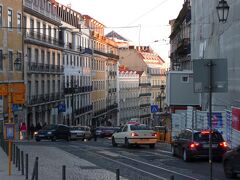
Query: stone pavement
[{"x": 52, "y": 159}]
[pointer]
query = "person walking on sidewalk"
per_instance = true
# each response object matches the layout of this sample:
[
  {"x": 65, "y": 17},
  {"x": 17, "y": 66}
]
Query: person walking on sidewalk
[
  {"x": 32, "y": 130},
  {"x": 23, "y": 130}
]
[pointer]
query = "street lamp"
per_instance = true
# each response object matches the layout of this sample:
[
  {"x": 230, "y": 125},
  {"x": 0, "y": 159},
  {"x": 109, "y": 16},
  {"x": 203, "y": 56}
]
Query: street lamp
[{"x": 222, "y": 11}]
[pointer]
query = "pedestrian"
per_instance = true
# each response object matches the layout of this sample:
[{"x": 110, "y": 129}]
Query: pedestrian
[
  {"x": 94, "y": 134},
  {"x": 32, "y": 130},
  {"x": 23, "y": 130}
]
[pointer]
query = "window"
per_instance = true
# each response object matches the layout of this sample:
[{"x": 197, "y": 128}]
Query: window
[
  {"x": 42, "y": 87},
  {"x": 58, "y": 59},
  {"x": 43, "y": 56},
  {"x": 31, "y": 27},
  {"x": 185, "y": 79},
  {"x": 36, "y": 88},
  {"x": 10, "y": 57},
  {"x": 10, "y": 14},
  {"x": 29, "y": 54},
  {"x": 1, "y": 16},
  {"x": 1, "y": 58},
  {"x": 19, "y": 22},
  {"x": 36, "y": 55}
]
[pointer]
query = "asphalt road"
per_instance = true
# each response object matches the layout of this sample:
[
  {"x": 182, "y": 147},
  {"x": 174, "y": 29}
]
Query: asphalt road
[{"x": 139, "y": 163}]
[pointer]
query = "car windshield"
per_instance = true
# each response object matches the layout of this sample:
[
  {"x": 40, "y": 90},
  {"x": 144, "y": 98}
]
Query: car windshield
[
  {"x": 50, "y": 127},
  {"x": 205, "y": 136},
  {"x": 74, "y": 128},
  {"x": 81, "y": 128},
  {"x": 139, "y": 127}
]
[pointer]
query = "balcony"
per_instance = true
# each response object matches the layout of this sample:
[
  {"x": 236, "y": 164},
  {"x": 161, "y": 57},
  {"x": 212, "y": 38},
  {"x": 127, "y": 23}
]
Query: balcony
[
  {"x": 112, "y": 73},
  {"x": 113, "y": 56},
  {"x": 43, "y": 38},
  {"x": 34, "y": 67},
  {"x": 144, "y": 94},
  {"x": 44, "y": 98},
  {"x": 145, "y": 105},
  {"x": 184, "y": 46},
  {"x": 77, "y": 89},
  {"x": 112, "y": 90},
  {"x": 86, "y": 51},
  {"x": 144, "y": 84},
  {"x": 100, "y": 53},
  {"x": 83, "y": 110},
  {"x": 42, "y": 12}
]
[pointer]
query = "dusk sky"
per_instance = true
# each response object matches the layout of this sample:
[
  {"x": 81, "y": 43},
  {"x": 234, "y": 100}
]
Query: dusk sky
[{"x": 143, "y": 22}]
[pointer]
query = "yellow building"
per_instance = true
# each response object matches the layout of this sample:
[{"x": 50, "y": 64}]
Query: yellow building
[{"x": 11, "y": 48}]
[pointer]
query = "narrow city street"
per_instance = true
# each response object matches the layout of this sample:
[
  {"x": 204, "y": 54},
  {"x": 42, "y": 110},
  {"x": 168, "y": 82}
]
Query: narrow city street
[{"x": 140, "y": 163}]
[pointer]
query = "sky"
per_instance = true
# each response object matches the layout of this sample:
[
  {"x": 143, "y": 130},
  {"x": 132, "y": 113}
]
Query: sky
[{"x": 144, "y": 22}]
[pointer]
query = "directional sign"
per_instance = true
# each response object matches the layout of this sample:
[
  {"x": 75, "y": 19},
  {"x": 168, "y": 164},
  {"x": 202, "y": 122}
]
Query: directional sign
[
  {"x": 154, "y": 108},
  {"x": 62, "y": 108}
]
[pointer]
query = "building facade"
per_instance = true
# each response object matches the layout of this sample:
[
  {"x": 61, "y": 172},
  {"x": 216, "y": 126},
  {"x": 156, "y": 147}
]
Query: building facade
[
  {"x": 11, "y": 55},
  {"x": 180, "y": 46},
  {"x": 77, "y": 67},
  {"x": 42, "y": 62},
  {"x": 128, "y": 90}
]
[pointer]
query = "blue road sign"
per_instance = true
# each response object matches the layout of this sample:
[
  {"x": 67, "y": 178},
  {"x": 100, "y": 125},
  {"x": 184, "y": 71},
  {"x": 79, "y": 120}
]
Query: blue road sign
[
  {"x": 154, "y": 108},
  {"x": 61, "y": 108},
  {"x": 15, "y": 107}
]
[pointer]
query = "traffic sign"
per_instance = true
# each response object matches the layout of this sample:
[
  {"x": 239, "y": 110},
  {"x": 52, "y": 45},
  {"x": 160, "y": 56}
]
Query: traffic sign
[
  {"x": 15, "y": 107},
  {"x": 154, "y": 108}
]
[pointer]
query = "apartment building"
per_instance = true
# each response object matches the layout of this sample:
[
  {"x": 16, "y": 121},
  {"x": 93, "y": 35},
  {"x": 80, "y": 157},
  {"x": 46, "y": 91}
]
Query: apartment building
[
  {"x": 11, "y": 60},
  {"x": 104, "y": 72},
  {"x": 152, "y": 75},
  {"x": 128, "y": 90},
  {"x": 77, "y": 59},
  {"x": 43, "y": 62}
]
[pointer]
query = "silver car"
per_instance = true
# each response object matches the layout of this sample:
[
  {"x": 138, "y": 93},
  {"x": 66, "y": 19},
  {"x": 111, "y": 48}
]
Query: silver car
[{"x": 80, "y": 132}]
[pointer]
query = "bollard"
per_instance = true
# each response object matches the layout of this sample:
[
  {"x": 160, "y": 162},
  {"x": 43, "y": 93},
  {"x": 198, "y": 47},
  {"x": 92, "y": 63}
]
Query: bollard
[
  {"x": 19, "y": 160},
  {"x": 117, "y": 174},
  {"x": 63, "y": 172},
  {"x": 26, "y": 166},
  {"x": 14, "y": 148},
  {"x": 36, "y": 173},
  {"x": 172, "y": 177},
  {"x": 22, "y": 162},
  {"x": 16, "y": 157}
]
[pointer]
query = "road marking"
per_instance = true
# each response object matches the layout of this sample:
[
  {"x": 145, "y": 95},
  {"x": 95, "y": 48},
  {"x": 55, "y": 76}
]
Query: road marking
[
  {"x": 108, "y": 153},
  {"x": 124, "y": 164},
  {"x": 159, "y": 167}
]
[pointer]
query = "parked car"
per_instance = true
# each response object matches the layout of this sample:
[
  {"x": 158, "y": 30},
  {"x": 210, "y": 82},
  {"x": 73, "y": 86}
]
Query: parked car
[
  {"x": 190, "y": 144},
  {"x": 53, "y": 132},
  {"x": 84, "y": 132},
  {"x": 134, "y": 134},
  {"x": 106, "y": 131},
  {"x": 231, "y": 162}
]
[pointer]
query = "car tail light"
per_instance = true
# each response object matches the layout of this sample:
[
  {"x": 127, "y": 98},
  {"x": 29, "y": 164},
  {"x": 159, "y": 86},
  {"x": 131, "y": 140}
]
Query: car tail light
[
  {"x": 154, "y": 134},
  {"x": 223, "y": 144},
  {"x": 193, "y": 145},
  {"x": 134, "y": 134}
]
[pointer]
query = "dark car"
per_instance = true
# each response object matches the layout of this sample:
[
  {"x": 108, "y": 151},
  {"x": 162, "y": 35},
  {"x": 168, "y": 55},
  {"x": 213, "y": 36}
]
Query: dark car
[
  {"x": 53, "y": 132},
  {"x": 106, "y": 131},
  {"x": 190, "y": 144},
  {"x": 231, "y": 162}
]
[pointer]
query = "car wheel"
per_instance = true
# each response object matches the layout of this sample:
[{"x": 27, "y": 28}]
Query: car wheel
[
  {"x": 126, "y": 143},
  {"x": 114, "y": 144},
  {"x": 152, "y": 146},
  {"x": 228, "y": 170},
  {"x": 83, "y": 137},
  {"x": 173, "y": 150},
  {"x": 186, "y": 156},
  {"x": 54, "y": 138}
]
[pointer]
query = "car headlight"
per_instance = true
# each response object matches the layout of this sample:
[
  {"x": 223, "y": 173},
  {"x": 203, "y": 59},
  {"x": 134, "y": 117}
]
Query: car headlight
[
  {"x": 50, "y": 133},
  {"x": 35, "y": 133}
]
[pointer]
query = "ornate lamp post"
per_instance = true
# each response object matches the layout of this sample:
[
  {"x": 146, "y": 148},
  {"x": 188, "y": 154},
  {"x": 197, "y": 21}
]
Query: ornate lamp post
[{"x": 222, "y": 11}]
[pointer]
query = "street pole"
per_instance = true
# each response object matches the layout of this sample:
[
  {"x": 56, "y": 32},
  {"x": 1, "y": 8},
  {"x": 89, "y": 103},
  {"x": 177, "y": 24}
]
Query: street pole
[
  {"x": 73, "y": 123},
  {"x": 210, "y": 65},
  {"x": 9, "y": 121}
]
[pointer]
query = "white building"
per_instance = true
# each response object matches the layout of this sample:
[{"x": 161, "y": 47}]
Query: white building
[
  {"x": 42, "y": 62},
  {"x": 77, "y": 68},
  {"x": 128, "y": 95}
]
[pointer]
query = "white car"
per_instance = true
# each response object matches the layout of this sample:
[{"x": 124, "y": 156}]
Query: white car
[{"x": 134, "y": 134}]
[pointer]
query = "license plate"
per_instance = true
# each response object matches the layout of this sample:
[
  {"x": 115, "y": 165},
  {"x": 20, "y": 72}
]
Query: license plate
[{"x": 207, "y": 145}]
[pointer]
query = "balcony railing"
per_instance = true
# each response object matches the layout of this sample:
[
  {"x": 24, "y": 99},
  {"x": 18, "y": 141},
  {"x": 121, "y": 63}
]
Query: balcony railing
[
  {"x": 83, "y": 110},
  {"x": 144, "y": 94},
  {"x": 41, "y": 10},
  {"x": 86, "y": 51},
  {"x": 145, "y": 105},
  {"x": 43, "y": 98},
  {"x": 70, "y": 90},
  {"x": 43, "y": 38},
  {"x": 100, "y": 52},
  {"x": 112, "y": 90},
  {"x": 34, "y": 67},
  {"x": 113, "y": 56},
  {"x": 144, "y": 84}
]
